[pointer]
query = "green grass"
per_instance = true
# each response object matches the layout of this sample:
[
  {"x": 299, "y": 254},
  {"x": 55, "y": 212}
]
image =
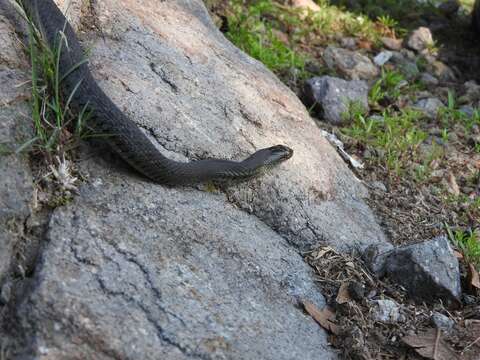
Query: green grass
[
  {"x": 468, "y": 243},
  {"x": 57, "y": 130},
  {"x": 395, "y": 137}
]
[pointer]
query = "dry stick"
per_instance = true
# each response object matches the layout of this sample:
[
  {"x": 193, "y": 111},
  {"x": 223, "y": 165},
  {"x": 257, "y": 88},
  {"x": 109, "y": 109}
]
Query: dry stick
[
  {"x": 437, "y": 341},
  {"x": 470, "y": 345}
]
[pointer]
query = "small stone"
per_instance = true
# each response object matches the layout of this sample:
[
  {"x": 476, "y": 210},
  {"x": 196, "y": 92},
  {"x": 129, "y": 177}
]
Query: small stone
[
  {"x": 429, "y": 271},
  {"x": 350, "y": 64},
  {"x": 382, "y": 58},
  {"x": 386, "y": 311},
  {"x": 442, "y": 71},
  {"x": 5, "y": 293},
  {"x": 331, "y": 97},
  {"x": 392, "y": 44},
  {"x": 442, "y": 322},
  {"x": 349, "y": 43},
  {"x": 429, "y": 79},
  {"x": 429, "y": 107},
  {"x": 420, "y": 39},
  {"x": 378, "y": 185},
  {"x": 408, "y": 68},
  {"x": 356, "y": 291}
]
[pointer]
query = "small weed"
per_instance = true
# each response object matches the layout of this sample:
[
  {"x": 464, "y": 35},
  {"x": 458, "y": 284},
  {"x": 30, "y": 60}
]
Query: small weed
[
  {"x": 395, "y": 136},
  {"x": 56, "y": 129},
  {"x": 387, "y": 86},
  {"x": 468, "y": 243}
]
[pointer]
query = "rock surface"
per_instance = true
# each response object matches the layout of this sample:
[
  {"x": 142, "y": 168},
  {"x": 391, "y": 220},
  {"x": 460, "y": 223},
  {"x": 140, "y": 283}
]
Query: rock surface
[
  {"x": 420, "y": 39},
  {"x": 430, "y": 107},
  {"x": 15, "y": 177},
  {"x": 332, "y": 97},
  {"x": 132, "y": 269},
  {"x": 386, "y": 311},
  {"x": 429, "y": 271},
  {"x": 350, "y": 64}
]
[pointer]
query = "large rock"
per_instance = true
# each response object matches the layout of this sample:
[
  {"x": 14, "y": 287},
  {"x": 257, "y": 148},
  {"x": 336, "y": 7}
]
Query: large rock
[
  {"x": 15, "y": 177},
  {"x": 132, "y": 269},
  {"x": 333, "y": 97},
  {"x": 420, "y": 39},
  {"x": 429, "y": 271},
  {"x": 350, "y": 64}
]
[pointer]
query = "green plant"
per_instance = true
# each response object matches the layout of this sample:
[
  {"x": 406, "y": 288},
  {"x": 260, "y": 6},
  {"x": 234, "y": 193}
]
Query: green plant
[
  {"x": 395, "y": 136},
  {"x": 467, "y": 242},
  {"x": 389, "y": 85},
  {"x": 57, "y": 129}
]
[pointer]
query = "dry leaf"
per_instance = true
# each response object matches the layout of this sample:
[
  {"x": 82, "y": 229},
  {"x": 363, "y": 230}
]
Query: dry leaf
[
  {"x": 325, "y": 317},
  {"x": 364, "y": 44},
  {"x": 473, "y": 277},
  {"x": 430, "y": 345},
  {"x": 343, "y": 295},
  {"x": 453, "y": 187},
  {"x": 458, "y": 255}
]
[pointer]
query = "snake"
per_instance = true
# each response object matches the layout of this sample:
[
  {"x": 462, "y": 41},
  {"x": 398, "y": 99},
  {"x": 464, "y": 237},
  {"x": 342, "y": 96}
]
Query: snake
[{"x": 121, "y": 133}]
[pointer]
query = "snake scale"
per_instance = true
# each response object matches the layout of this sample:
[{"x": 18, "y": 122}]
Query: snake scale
[{"x": 124, "y": 136}]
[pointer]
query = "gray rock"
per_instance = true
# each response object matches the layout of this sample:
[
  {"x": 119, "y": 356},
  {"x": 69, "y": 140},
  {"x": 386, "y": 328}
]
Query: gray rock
[
  {"x": 382, "y": 58},
  {"x": 348, "y": 43},
  {"x": 429, "y": 79},
  {"x": 167, "y": 273},
  {"x": 442, "y": 322},
  {"x": 386, "y": 311},
  {"x": 15, "y": 179},
  {"x": 350, "y": 64},
  {"x": 407, "y": 67},
  {"x": 429, "y": 107},
  {"x": 132, "y": 269},
  {"x": 429, "y": 271},
  {"x": 420, "y": 39},
  {"x": 467, "y": 110},
  {"x": 442, "y": 71},
  {"x": 334, "y": 96}
]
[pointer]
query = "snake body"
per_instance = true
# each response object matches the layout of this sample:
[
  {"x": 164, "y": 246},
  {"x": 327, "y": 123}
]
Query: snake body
[{"x": 123, "y": 135}]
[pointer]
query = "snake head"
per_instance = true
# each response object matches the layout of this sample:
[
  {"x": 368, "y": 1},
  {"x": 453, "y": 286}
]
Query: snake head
[{"x": 277, "y": 154}]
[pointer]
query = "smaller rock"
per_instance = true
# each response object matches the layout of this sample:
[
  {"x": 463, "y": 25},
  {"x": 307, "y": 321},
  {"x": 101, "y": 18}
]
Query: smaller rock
[
  {"x": 350, "y": 64},
  {"x": 5, "y": 293},
  {"x": 429, "y": 107},
  {"x": 442, "y": 71},
  {"x": 429, "y": 271},
  {"x": 442, "y": 322},
  {"x": 356, "y": 291},
  {"x": 349, "y": 43},
  {"x": 382, "y": 58},
  {"x": 386, "y": 311},
  {"x": 391, "y": 44},
  {"x": 429, "y": 79},
  {"x": 407, "y": 67},
  {"x": 375, "y": 257},
  {"x": 420, "y": 39},
  {"x": 331, "y": 97},
  {"x": 378, "y": 185}
]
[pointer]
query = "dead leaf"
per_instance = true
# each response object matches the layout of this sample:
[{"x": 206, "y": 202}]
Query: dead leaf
[
  {"x": 453, "y": 187},
  {"x": 364, "y": 44},
  {"x": 306, "y": 4},
  {"x": 458, "y": 255},
  {"x": 473, "y": 277},
  {"x": 343, "y": 295},
  {"x": 325, "y": 317},
  {"x": 430, "y": 345}
]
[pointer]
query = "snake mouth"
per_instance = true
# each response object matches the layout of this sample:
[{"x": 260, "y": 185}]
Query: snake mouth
[{"x": 280, "y": 153}]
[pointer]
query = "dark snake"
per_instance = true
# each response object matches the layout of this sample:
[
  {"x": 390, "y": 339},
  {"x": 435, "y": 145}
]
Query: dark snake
[{"x": 122, "y": 134}]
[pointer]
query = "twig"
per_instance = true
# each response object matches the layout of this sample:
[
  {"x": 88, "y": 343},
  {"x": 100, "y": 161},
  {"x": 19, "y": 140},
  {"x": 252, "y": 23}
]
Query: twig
[{"x": 437, "y": 341}]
